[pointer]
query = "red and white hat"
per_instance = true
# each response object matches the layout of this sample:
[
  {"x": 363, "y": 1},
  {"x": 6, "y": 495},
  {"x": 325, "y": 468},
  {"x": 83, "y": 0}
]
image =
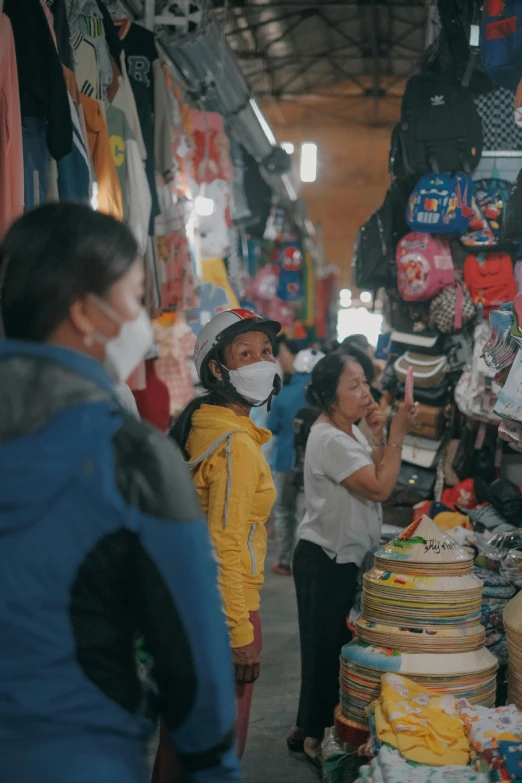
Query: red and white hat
[{"x": 222, "y": 329}]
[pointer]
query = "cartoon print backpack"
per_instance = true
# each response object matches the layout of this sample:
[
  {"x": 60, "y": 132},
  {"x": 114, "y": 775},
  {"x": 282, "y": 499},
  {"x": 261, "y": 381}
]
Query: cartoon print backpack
[
  {"x": 290, "y": 263},
  {"x": 489, "y": 202},
  {"x": 441, "y": 204},
  {"x": 424, "y": 266},
  {"x": 501, "y": 41},
  {"x": 490, "y": 280}
]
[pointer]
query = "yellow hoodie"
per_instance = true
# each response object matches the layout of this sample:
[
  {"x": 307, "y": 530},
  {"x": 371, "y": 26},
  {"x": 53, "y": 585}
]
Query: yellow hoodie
[{"x": 236, "y": 491}]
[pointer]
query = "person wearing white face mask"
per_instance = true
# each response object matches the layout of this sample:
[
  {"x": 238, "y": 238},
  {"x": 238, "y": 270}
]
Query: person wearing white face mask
[
  {"x": 234, "y": 359},
  {"x": 100, "y": 528}
]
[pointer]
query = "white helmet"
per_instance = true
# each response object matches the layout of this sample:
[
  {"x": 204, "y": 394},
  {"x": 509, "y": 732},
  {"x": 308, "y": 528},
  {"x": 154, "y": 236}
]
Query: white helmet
[
  {"x": 306, "y": 360},
  {"x": 223, "y": 328}
]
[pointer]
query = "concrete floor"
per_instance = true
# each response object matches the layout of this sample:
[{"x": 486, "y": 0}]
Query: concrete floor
[{"x": 267, "y": 759}]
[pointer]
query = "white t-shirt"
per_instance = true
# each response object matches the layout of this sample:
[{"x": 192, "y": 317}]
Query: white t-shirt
[{"x": 345, "y": 525}]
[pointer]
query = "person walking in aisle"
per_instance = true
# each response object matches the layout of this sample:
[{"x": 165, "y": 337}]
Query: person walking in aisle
[
  {"x": 101, "y": 534},
  {"x": 234, "y": 359},
  {"x": 285, "y": 351},
  {"x": 345, "y": 478},
  {"x": 280, "y": 422}
]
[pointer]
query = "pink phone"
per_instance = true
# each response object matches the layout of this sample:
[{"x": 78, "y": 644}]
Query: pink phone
[{"x": 408, "y": 387}]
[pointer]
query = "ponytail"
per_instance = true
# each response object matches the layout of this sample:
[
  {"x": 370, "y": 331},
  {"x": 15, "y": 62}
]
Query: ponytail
[{"x": 181, "y": 429}]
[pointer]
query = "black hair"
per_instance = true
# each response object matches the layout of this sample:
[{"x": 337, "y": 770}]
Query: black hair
[
  {"x": 360, "y": 356},
  {"x": 290, "y": 344},
  {"x": 356, "y": 340},
  {"x": 53, "y": 256},
  {"x": 321, "y": 392}
]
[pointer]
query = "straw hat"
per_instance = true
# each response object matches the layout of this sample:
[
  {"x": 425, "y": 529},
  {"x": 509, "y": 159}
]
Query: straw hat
[
  {"x": 513, "y": 626},
  {"x": 423, "y": 548}
]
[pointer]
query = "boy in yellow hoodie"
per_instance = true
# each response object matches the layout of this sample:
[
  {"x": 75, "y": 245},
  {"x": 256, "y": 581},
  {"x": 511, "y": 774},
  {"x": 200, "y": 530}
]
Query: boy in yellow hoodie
[{"x": 235, "y": 362}]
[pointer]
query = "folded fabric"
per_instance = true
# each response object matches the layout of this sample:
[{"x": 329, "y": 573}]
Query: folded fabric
[
  {"x": 496, "y": 764},
  {"x": 424, "y": 727},
  {"x": 485, "y": 728},
  {"x": 512, "y": 754},
  {"x": 493, "y": 638},
  {"x": 396, "y": 769},
  {"x": 500, "y": 650}
]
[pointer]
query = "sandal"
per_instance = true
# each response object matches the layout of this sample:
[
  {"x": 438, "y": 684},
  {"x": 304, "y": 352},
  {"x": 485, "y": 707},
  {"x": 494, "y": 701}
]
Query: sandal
[
  {"x": 313, "y": 752},
  {"x": 295, "y": 740}
]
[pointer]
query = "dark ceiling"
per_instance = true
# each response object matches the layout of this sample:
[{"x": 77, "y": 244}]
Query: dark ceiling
[{"x": 290, "y": 48}]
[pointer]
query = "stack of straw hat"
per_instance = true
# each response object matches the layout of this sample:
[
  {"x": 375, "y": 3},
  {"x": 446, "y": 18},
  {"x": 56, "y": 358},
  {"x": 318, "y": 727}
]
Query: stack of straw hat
[
  {"x": 513, "y": 626},
  {"x": 420, "y": 617}
]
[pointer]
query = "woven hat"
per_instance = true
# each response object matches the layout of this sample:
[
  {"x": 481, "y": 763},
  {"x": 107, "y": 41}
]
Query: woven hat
[{"x": 423, "y": 548}]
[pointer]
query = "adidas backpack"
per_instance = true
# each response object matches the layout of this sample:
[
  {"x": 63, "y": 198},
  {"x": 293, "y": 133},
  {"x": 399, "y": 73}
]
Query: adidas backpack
[
  {"x": 441, "y": 204},
  {"x": 424, "y": 266},
  {"x": 501, "y": 41},
  {"x": 440, "y": 127},
  {"x": 490, "y": 280}
]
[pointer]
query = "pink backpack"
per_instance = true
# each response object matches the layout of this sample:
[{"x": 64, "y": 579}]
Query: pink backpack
[{"x": 424, "y": 266}]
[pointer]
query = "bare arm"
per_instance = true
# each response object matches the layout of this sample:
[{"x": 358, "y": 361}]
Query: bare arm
[{"x": 376, "y": 482}]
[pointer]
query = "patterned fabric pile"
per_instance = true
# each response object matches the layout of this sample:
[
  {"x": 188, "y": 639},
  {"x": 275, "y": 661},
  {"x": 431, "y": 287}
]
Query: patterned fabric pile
[
  {"x": 496, "y": 594},
  {"x": 420, "y": 737}
]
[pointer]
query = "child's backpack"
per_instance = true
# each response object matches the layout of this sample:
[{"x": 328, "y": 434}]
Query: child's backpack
[
  {"x": 476, "y": 392},
  {"x": 424, "y": 266},
  {"x": 501, "y": 41},
  {"x": 490, "y": 280},
  {"x": 489, "y": 203},
  {"x": 441, "y": 204},
  {"x": 440, "y": 127},
  {"x": 290, "y": 263}
]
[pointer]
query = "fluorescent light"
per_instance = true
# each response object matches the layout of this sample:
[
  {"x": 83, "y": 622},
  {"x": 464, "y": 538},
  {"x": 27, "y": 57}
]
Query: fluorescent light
[
  {"x": 204, "y": 206},
  {"x": 288, "y": 147},
  {"x": 262, "y": 121},
  {"x": 345, "y": 297},
  {"x": 308, "y": 162},
  {"x": 365, "y": 297},
  {"x": 292, "y": 195}
]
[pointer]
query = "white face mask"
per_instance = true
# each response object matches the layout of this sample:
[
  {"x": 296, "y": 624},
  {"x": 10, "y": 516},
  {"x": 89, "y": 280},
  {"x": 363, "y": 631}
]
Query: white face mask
[
  {"x": 124, "y": 352},
  {"x": 255, "y": 382}
]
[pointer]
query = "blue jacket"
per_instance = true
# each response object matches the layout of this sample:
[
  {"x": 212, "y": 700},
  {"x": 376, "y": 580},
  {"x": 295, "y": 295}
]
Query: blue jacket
[
  {"x": 101, "y": 538},
  {"x": 280, "y": 421}
]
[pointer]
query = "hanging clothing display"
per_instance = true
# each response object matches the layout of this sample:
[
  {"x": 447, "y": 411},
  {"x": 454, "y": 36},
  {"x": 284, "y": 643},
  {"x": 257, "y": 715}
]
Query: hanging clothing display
[
  {"x": 86, "y": 20},
  {"x": 11, "y": 157},
  {"x": 61, "y": 31},
  {"x": 109, "y": 190},
  {"x": 131, "y": 173},
  {"x": 43, "y": 93}
]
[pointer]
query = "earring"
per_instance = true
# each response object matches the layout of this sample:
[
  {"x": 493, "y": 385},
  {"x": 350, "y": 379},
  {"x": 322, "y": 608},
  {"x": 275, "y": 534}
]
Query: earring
[{"x": 88, "y": 340}]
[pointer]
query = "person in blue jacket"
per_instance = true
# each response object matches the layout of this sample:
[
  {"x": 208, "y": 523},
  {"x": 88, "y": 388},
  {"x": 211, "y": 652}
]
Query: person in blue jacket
[
  {"x": 280, "y": 422},
  {"x": 101, "y": 536}
]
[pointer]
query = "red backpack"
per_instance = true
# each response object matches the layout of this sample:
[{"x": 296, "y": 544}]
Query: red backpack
[{"x": 490, "y": 280}]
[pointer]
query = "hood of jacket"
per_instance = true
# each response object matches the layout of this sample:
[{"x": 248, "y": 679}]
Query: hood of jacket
[
  {"x": 56, "y": 406},
  {"x": 212, "y": 423}
]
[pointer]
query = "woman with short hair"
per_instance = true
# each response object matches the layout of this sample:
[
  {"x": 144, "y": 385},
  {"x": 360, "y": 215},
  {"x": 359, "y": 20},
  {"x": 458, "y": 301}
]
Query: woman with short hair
[{"x": 345, "y": 480}]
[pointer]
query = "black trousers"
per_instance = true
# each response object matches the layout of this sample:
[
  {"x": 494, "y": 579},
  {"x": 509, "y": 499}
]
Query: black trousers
[{"x": 326, "y": 592}]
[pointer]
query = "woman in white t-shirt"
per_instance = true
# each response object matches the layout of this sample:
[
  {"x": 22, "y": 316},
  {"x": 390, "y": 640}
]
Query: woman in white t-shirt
[{"x": 345, "y": 479}]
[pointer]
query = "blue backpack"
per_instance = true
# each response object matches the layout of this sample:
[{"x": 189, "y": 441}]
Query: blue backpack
[
  {"x": 501, "y": 41},
  {"x": 441, "y": 204}
]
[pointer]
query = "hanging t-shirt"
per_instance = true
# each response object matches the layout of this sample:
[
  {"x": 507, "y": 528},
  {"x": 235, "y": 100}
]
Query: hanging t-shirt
[
  {"x": 85, "y": 17},
  {"x": 43, "y": 93},
  {"x": 140, "y": 53},
  {"x": 345, "y": 525},
  {"x": 131, "y": 174},
  {"x": 62, "y": 32},
  {"x": 109, "y": 188}
]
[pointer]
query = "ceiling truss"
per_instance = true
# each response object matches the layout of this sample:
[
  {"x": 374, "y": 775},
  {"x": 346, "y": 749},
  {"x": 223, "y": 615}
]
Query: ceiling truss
[{"x": 290, "y": 49}]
